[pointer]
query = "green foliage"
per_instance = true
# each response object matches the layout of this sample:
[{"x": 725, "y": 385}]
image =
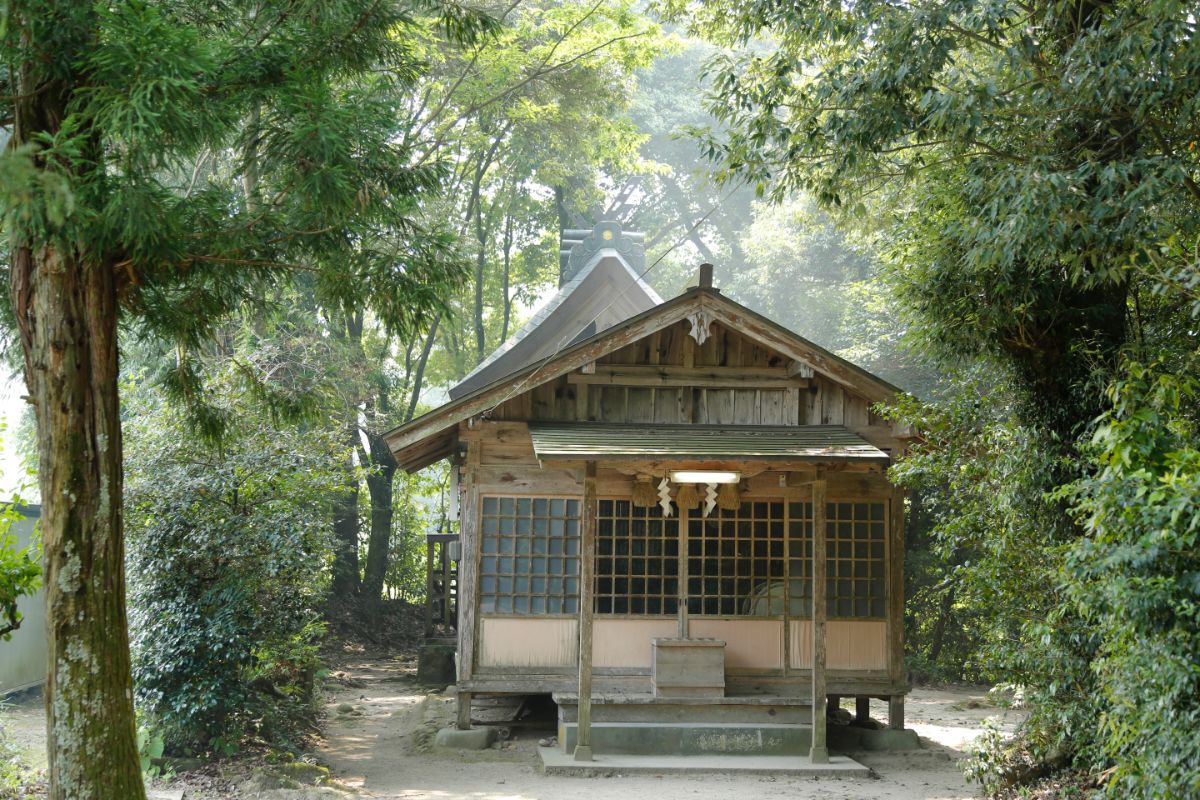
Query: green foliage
[
  {"x": 1025, "y": 164},
  {"x": 1030, "y": 173},
  {"x": 542, "y": 110},
  {"x": 207, "y": 154},
  {"x": 977, "y": 470},
  {"x": 13, "y": 769},
  {"x": 1136, "y": 578},
  {"x": 420, "y": 509},
  {"x": 20, "y": 571},
  {"x": 228, "y": 557},
  {"x": 150, "y": 746},
  {"x": 992, "y": 573}
]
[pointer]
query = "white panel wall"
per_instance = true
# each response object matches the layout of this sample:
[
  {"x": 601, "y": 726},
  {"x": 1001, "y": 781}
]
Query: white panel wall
[{"x": 23, "y": 658}]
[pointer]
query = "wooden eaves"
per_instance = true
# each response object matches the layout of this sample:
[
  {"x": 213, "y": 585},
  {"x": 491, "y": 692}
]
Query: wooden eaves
[{"x": 431, "y": 436}]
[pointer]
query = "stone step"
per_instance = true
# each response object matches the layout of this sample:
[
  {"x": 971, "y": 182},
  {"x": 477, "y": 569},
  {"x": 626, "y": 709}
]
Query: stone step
[
  {"x": 556, "y": 762},
  {"x": 691, "y": 738},
  {"x": 671, "y": 710}
]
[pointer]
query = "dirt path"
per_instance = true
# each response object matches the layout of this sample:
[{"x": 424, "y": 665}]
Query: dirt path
[
  {"x": 379, "y": 736},
  {"x": 379, "y": 743}
]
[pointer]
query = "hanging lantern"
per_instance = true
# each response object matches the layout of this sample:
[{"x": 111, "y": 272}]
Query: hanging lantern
[{"x": 644, "y": 495}]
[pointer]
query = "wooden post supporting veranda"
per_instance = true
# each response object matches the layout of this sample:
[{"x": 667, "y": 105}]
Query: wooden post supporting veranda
[
  {"x": 430, "y": 591},
  {"x": 587, "y": 560},
  {"x": 895, "y": 611},
  {"x": 468, "y": 570},
  {"x": 819, "y": 754}
]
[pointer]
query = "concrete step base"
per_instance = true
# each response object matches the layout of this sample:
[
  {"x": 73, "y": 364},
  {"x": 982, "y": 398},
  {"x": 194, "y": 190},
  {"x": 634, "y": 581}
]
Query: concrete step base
[
  {"x": 556, "y": 762},
  {"x": 691, "y": 738}
]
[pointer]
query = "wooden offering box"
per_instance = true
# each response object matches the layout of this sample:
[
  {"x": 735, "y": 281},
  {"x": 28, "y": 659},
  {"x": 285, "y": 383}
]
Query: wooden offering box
[{"x": 688, "y": 668}]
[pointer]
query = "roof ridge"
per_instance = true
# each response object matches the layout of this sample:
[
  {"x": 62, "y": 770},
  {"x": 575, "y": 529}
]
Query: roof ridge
[{"x": 606, "y": 240}]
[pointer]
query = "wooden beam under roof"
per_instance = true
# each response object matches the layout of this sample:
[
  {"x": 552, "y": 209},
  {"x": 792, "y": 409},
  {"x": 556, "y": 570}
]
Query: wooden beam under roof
[{"x": 708, "y": 377}]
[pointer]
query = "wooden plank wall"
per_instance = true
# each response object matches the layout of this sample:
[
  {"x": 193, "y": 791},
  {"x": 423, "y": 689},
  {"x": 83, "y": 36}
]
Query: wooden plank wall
[
  {"x": 817, "y": 401},
  {"x": 750, "y": 644},
  {"x": 528, "y": 642},
  {"x": 625, "y": 643},
  {"x": 753, "y": 645},
  {"x": 850, "y": 644}
]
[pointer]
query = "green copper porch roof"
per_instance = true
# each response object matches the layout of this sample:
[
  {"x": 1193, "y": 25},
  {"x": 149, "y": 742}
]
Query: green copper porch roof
[{"x": 599, "y": 441}]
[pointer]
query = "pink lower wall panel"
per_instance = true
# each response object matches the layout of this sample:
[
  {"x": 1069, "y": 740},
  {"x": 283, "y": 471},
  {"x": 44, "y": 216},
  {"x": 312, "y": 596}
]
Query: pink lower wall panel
[
  {"x": 626, "y": 642},
  {"x": 749, "y": 643},
  {"x": 849, "y": 644},
  {"x": 528, "y": 642}
]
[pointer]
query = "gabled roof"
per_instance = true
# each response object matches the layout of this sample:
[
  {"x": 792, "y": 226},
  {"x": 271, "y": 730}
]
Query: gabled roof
[
  {"x": 429, "y": 437},
  {"x": 604, "y": 287}
]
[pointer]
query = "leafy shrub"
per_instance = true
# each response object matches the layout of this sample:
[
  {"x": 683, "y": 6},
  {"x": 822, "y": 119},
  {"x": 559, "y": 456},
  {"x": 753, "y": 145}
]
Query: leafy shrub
[
  {"x": 981, "y": 540},
  {"x": 1136, "y": 579},
  {"x": 12, "y": 767},
  {"x": 415, "y": 516},
  {"x": 228, "y": 554},
  {"x": 20, "y": 571},
  {"x": 999, "y": 543}
]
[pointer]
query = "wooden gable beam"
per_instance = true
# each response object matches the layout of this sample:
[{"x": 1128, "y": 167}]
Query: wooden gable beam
[
  {"x": 570, "y": 359},
  {"x": 771, "y": 335},
  {"x": 651, "y": 375}
]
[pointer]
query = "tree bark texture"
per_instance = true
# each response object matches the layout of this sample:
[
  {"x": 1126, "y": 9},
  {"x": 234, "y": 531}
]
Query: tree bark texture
[
  {"x": 380, "y": 485},
  {"x": 346, "y": 577},
  {"x": 480, "y": 262},
  {"x": 419, "y": 375},
  {"x": 65, "y": 303},
  {"x": 345, "y": 582},
  {"x": 67, "y": 313}
]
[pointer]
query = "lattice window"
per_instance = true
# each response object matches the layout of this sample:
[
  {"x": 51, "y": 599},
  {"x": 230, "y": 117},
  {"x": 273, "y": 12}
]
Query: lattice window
[
  {"x": 800, "y": 553},
  {"x": 637, "y": 560},
  {"x": 855, "y": 557},
  {"x": 855, "y": 560},
  {"x": 736, "y": 561},
  {"x": 529, "y": 561}
]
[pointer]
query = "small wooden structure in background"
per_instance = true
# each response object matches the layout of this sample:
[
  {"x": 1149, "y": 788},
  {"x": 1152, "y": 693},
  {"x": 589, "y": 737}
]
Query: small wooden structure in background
[
  {"x": 441, "y": 583},
  {"x": 583, "y": 541}
]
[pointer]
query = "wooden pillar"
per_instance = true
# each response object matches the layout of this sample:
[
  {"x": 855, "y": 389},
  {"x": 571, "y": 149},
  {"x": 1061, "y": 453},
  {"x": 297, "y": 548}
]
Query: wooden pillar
[
  {"x": 896, "y": 712},
  {"x": 819, "y": 754},
  {"x": 430, "y": 590},
  {"x": 587, "y": 562},
  {"x": 463, "y": 705},
  {"x": 895, "y": 618},
  {"x": 862, "y": 708},
  {"x": 449, "y": 580},
  {"x": 468, "y": 585},
  {"x": 682, "y": 572}
]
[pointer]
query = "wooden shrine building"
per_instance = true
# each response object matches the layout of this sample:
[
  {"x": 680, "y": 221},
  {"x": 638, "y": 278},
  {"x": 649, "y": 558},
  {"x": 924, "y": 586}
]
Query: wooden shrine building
[{"x": 648, "y": 492}]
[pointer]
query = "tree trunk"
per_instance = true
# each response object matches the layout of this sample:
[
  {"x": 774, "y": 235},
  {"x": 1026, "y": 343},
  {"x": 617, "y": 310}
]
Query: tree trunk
[
  {"x": 419, "y": 375},
  {"x": 480, "y": 262},
  {"x": 346, "y": 579},
  {"x": 66, "y": 306},
  {"x": 344, "y": 586},
  {"x": 380, "y": 486},
  {"x": 65, "y": 303},
  {"x": 938, "y": 637},
  {"x": 505, "y": 287}
]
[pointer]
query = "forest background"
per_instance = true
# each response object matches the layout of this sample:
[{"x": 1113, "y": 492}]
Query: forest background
[{"x": 1052, "y": 539}]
